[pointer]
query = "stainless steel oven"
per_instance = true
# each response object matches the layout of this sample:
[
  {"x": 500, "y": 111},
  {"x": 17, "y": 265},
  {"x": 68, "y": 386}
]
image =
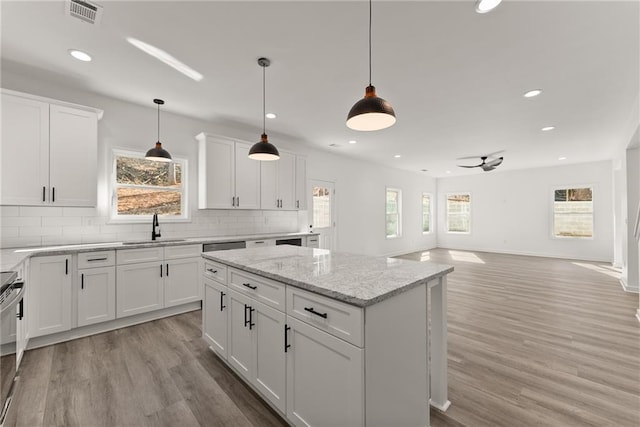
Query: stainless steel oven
[{"x": 12, "y": 335}]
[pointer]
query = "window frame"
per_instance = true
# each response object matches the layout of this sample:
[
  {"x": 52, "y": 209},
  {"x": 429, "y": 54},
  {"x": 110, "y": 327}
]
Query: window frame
[
  {"x": 399, "y": 213},
  {"x": 114, "y": 218},
  {"x": 430, "y": 196},
  {"x": 552, "y": 211},
  {"x": 446, "y": 211}
]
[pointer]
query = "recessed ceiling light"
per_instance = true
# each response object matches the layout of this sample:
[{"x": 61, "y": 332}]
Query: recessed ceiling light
[
  {"x": 353, "y": 141},
  {"x": 397, "y": 156},
  {"x": 80, "y": 55},
  {"x": 532, "y": 93},
  {"x": 484, "y": 6},
  {"x": 448, "y": 172},
  {"x": 547, "y": 128},
  {"x": 271, "y": 115},
  {"x": 163, "y": 56},
  {"x": 562, "y": 158}
]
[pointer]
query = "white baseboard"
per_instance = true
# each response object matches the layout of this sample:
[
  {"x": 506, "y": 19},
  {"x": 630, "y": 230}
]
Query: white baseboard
[{"x": 627, "y": 287}]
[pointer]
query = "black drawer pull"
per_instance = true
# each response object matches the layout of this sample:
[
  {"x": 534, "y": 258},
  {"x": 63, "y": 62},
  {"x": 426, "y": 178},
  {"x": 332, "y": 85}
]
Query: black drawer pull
[
  {"x": 97, "y": 259},
  {"x": 259, "y": 242},
  {"x": 82, "y": 281},
  {"x": 160, "y": 270},
  {"x": 246, "y": 322},
  {"x": 43, "y": 193},
  {"x": 286, "y": 338},
  {"x": 222, "y": 306},
  {"x": 20, "y": 313},
  {"x": 311, "y": 310},
  {"x": 251, "y": 324},
  {"x": 211, "y": 270},
  {"x": 248, "y": 285},
  {"x": 66, "y": 266},
  {"x": 53, "y": 194},
  {"x": 167, "y": 269}
]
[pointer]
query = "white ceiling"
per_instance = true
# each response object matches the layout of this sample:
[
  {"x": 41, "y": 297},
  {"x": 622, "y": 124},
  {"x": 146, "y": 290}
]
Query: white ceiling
[{"x": 454, "y": 77}]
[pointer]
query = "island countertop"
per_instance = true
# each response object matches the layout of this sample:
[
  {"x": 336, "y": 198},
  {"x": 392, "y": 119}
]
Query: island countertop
[{"x": 359, "y": 280}]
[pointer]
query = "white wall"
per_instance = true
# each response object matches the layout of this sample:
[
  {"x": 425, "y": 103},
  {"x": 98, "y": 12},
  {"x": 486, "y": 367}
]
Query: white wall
[
  {"x": 359, "y": 185},
  {"x": 511, "y": 211}
]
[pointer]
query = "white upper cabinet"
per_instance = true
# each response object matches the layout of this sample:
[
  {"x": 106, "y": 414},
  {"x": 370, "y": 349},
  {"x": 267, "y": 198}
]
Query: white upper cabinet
[
  {"x": 56, "y": 144},
  {"x": 228, "y": 179},
  {"x": 278, "y": 182},
  {"x": 301, "y": 182}
]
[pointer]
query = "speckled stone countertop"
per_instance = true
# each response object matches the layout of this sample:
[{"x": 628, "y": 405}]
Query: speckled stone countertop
[
  {"x": 355, "y": 279},
  {"x": 11, "y": 258}
]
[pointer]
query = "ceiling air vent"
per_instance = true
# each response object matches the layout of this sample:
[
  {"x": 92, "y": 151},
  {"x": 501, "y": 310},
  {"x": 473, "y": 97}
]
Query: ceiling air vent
[{"x": 84, "y": 10}]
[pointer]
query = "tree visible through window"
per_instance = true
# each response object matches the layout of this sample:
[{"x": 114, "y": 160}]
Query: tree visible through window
[
  {"x": 573, "y": 212},
  {"x": 393, "y": 221},
  {"x": 321, "y": 207},
  {"x": 459, "y": 213},
  {"x": 426, "y": 213},
  {"x": 144, "y": 187}
]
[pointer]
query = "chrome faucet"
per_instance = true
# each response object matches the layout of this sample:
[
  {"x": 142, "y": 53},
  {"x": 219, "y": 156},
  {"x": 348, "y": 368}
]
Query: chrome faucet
[{"x": 155, "y": 224}]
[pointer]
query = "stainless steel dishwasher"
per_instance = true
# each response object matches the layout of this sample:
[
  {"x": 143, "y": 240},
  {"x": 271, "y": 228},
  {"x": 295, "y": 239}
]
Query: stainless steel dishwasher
[{"x": 222, "y": 246}]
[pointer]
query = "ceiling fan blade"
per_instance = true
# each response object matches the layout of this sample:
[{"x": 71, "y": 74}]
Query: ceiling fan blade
[
  {"x": 495, "y": 163},
  {"x": 488, "y": 155},
  {"x": 465, "y": 166}
]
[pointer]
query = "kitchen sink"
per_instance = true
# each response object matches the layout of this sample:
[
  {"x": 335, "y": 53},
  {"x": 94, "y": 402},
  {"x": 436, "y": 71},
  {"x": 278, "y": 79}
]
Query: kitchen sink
[{"x": 143, "y": 242}]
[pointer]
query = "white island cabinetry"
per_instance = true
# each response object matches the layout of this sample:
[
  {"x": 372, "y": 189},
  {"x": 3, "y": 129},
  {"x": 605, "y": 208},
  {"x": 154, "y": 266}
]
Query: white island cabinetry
[{"x": 335, "y": 368}]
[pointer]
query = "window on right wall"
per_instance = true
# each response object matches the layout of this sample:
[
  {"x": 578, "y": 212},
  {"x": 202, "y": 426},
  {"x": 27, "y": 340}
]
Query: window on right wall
[{"x": 573, "y": 212}]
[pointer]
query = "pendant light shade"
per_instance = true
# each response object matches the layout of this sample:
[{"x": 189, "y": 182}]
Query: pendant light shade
[
  {"x": 371, "y": 112},
  {"x": 158, "y": 153},
  {"x": 264, "y": 150}
]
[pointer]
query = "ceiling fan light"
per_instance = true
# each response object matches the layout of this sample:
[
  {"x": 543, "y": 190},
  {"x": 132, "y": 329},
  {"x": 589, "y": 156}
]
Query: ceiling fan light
[
  {"x": 371, "y": 113},
  {"x": 264, "y": 150},
  {"x": 158, "y": 154},
  {"x": 484, "y": 6}
]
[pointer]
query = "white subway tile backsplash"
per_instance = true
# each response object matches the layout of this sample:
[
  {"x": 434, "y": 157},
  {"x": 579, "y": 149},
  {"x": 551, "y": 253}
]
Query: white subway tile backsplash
[
  {"x": 81, "y": 229},
  {"x": 9, "y": 231},
  {"x": 22, "y": 221},
  {"x": 21, "y": 241},
  {"x": 41, "y": 231},
  {"x": 6, "y": 211},
  {"x": 79, "y": 212},
  {"x": 60, "y": 240},
  {"x": 99, "y": 238},
  {"x": 61, "y": 220},
  {"x": 40, "y": 211},
  {"x": 94, "y": 220}
]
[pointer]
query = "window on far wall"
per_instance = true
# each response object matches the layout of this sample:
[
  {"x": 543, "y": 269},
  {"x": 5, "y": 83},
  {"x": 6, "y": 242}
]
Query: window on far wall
[
  {"x": 459, "y": 213},
  {"x": 143, "y": 187},
  {"x": 573, "y": 212},
  {"x": 426, "y": 213},
  {"x": 394, "y": 214}
]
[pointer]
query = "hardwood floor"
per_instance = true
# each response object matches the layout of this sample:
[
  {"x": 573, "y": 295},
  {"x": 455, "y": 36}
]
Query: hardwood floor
[
  {"x": 532, "y": 341},
  {"x": 538, "y": 341}
]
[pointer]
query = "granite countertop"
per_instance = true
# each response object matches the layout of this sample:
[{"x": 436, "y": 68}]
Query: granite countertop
[
  {"x": 359, "y": 280},
  {"x": 11, "y": 258}
]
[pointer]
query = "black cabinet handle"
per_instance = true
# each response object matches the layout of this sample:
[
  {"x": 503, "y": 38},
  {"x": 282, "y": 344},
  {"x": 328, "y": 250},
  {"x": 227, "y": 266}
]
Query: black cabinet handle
[
  {"x": 222, "y": 306},
  {"x": 160, "y": 270},
  {"x": 211, "y": 270},
  {"x": 97, "y": 259},
  {"x": 286, "y": 337},
  {"x": 53, "y": 194},
  {"x": 238, "y": 201},
  {"x": 167, "y": 269},
  {"x": 20, "y": 313},
  {"x": 82, "y": 281},
  {"x": 246, "y": 322},
  {"x": 66, "y": 266},
  {"x": 44, "y": 193},
  {"x": 298, "y": 204},
  {"x": 251, "y": 324},
  {"x": 248, "y": 285},
  {"x": 312, "y": 311}
]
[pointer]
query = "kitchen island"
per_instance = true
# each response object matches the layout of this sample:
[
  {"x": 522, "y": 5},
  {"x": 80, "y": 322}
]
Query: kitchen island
[{"x": 330, "y": 338}]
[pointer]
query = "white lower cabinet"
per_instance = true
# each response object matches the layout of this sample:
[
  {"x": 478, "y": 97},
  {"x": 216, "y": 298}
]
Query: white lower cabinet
[
  {"x": 214, "y": 316},
  {"x": 96, "y": 295},
  {"x": 325, "y": 378},
  {"x": 182, "y": 281},
  {"x": 140, "y": 288},
  {"x": 50, "y": 295}
]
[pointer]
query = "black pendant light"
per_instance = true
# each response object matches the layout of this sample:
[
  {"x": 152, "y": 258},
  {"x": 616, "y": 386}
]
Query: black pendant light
[
  {"x": 158, "y": 153},
  {"x": 371, "y": 112},
  {"x": 264, "y": 150}
]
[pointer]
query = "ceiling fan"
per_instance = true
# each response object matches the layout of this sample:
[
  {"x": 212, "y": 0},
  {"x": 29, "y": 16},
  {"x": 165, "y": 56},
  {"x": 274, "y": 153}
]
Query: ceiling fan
[{"x": 486, "y": 166}]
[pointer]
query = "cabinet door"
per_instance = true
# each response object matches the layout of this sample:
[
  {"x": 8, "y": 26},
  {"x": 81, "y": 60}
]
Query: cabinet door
[
  {"x": 269, "y": 185},
  {"x": 239, "y": 346},
  {"x": 139, "y": 288},
  {"x": 323, "y": 372},
  {"x": 214, "y": 316},
  {"x": 50, "y": 295},
  {"x": 216, "y": 173},
  {"x": 301, "y": 183},
  {"x": 73, "y": 140},
  {"x": 24, "y": 144},
  {"x": 96, "y": 295},
  {"x": 247, "y": 178},
  {"x": 269, "y": 361},
  {"x": 287, "y": 180},
  {"x": 182, "y": 281}
]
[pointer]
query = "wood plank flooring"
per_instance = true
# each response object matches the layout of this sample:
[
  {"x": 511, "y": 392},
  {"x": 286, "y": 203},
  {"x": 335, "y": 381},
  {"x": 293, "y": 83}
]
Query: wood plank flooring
[
  {"x": 538, "y": 341},
  {"x": 532, "y": 341}
]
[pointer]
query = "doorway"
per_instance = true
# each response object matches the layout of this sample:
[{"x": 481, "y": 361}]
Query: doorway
[{"x": 323, "y": 212}]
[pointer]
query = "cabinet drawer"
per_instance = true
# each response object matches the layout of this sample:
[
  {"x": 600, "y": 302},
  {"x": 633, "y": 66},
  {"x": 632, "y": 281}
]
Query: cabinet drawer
[
  {"x": 96, "y": 259},
  {"x": 216, "y": 271},
  {"x": 260, "y": 243},
  {"x": 313, "y": 241},
  {"x": 133, "y": 256},
  {"x": 182, "y": 251},
  {"x": 260, "y": 288},
  {"x": 337, "y": 318}
]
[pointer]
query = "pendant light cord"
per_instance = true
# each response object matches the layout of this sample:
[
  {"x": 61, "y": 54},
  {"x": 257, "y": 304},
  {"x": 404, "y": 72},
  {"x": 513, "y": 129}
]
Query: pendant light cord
[
  {"x": 158, "y": 122},
  {"x": 370, "y": 1},
  {"x": 264, "y": 110}
]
